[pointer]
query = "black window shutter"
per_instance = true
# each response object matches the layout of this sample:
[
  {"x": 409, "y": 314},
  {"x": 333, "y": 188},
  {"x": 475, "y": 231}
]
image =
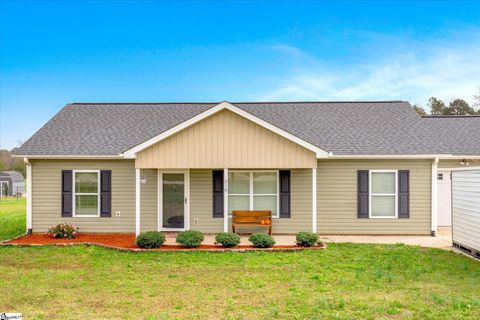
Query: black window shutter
[
  {"x": 217, "y": 193},
  {"x": 105, "y": 193},
  {"x": 67, "y": 188},
  {"x": 285, "y": 209},
  {"x": 404, "y": 194},
  {"x": 362, "y": 194}
]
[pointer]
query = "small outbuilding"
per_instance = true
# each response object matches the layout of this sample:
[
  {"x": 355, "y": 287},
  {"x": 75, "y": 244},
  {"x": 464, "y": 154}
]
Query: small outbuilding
[
  {"x": 12, "y": 183},
  {"x": 466, "y": 211}
]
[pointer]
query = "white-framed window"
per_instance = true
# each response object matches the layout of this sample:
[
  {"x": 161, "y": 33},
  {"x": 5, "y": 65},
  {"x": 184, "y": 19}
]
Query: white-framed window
[
  {"x": 383, "y": 193},
  {"x": 86, "y": 193},
  {"x": 253, "y": 190}
]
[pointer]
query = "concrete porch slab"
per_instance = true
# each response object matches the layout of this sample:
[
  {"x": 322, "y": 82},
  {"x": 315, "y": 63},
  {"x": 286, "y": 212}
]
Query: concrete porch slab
[{"x": 443, "y": 240}]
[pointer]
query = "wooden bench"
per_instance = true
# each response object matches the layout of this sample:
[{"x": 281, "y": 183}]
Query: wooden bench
[{"x": 257, "y": 218}]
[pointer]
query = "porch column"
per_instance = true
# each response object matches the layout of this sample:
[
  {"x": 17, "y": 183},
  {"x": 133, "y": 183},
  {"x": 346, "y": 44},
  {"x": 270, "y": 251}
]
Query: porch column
[
  {"x": 314, "y": 200},
  {"x": 28, "y": 189},
  {"x": 434, "y": 196},
  {"x": 137, "y": 202},
  {"x": 225, "y": 200}
]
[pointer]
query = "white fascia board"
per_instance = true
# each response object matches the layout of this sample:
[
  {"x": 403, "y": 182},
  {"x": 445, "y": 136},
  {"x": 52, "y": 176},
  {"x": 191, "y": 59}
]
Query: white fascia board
[
  {"x": 131, "y": 153},
  {"x": 405, "y": 156},
  {"x": 399, "y": 156},
  {"x": 106, "y": 157}
]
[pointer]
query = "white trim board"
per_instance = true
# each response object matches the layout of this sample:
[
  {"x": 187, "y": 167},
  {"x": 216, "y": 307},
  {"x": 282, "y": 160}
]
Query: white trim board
[{"x": 131, "y": 153}]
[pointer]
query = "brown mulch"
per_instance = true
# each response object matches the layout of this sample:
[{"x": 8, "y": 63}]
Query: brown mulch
[{"x": 127, "y": 242}]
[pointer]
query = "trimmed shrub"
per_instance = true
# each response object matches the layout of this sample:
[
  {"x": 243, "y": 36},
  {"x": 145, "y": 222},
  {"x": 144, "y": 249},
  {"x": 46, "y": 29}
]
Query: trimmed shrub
[
  {"x": 190, "y": 239},
  {"x": 150, "y": 239},
  {"x": 261, "y": 240},
  {"x": 306, "y": 238},
  {"x": 63, "y": 231},
  {"x": 227, "y": 239}
]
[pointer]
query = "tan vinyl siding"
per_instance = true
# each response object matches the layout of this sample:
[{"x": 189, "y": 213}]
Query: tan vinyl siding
[
  {"x": 46, "y": 195},
  {"x": 201, "y": 198},
  {"x": 201, "y": 204},
  {"x": 337, "y": 198},
  {"x": 226, "y": 140},
  {"x": 301, "y": 202},
  {"x": 148, "y": 203},
  {"x": 449, "y": 164}
]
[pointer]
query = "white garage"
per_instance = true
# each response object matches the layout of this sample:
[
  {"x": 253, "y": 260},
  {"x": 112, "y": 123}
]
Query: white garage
[{"x": 466, "y": 210}]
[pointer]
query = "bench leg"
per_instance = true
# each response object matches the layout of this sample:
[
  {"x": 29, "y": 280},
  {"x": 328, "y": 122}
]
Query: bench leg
[
  {"x": 233, "y": 228},
  {"x": 270, "y": 230}
]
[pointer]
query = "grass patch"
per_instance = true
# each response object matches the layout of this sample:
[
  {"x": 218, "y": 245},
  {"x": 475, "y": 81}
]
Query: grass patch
[
  {"x": 346, "y": 281},
  {"x": 12, "y": 217}
]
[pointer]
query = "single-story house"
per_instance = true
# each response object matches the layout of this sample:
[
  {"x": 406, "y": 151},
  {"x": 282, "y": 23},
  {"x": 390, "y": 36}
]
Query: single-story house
[
  {"x": 327, "y": 167},
  {"x": 11, "y": 183}
]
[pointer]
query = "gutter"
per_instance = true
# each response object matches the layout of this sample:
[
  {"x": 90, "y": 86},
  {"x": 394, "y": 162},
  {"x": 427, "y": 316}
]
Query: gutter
[
  {"x": 100, "y": 157},
  {"x": 28, "y": 186}
]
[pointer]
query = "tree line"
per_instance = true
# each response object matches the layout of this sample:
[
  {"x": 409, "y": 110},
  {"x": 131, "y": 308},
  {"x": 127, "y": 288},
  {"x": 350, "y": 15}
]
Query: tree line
[
  {"x": 8, "y": 163},
  {"x": 456, "y": 107}
]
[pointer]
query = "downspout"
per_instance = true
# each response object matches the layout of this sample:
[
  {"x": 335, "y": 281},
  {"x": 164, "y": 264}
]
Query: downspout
[
  {"x": 434, "y": 196},
  {"x": 28, "y": 189}
]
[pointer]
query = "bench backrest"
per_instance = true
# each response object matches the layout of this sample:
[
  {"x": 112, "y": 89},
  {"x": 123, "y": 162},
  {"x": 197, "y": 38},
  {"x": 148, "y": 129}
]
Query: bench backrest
[{"x": 255, "y": 216}]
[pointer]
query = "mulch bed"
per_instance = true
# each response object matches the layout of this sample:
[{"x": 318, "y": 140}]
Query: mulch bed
[{"x": 126, "y": 242}]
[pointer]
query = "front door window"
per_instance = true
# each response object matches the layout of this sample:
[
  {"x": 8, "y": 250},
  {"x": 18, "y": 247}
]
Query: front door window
[{"x": 173, "y": 200}]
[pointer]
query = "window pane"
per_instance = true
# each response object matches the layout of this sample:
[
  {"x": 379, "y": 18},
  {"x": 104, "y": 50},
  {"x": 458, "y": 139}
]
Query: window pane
[
  {"x": 383, "y": 206},
  {"x": 173, "y": 196},
  {"x": 239, "y": 182},
  {"x": 238, "y": 203},
  {"x": 86, "y": 182},
  {"x": 86, "y": 205},
  {"x": 383, "y": 182},
  {"x": 265, "y": 203},
  {"x": 264, "y": 182}
]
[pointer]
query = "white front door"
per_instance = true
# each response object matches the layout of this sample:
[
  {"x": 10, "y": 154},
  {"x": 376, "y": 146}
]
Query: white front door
[
  {"x": 173, "y": 200},
  {"x": 444, "y": 199}
]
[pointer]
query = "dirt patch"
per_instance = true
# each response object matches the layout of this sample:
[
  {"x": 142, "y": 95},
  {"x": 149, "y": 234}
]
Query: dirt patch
[{"x": 127, "y": 241}]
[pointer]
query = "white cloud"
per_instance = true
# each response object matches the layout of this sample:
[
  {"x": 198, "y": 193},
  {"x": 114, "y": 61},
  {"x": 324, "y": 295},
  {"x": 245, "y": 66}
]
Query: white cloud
[{"x": 425, "y": 70}]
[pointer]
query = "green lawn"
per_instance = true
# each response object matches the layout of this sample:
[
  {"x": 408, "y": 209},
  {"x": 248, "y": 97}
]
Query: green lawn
[
  {"x": 346, "y": 281},
  {"x": 12, "y": 218}
]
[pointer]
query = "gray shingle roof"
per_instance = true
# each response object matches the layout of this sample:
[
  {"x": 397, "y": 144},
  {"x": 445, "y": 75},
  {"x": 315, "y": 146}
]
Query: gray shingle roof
[
  {"x": 344, "y": 128},
  {"x": 14, "y": 175},
  {"x": 458, "y": 135}
]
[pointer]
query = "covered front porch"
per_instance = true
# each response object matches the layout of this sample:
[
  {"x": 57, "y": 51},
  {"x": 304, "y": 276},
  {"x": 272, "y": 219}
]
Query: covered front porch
[
  {"x": 173, "y": 200},
  {"x": 194, "y": 175}
]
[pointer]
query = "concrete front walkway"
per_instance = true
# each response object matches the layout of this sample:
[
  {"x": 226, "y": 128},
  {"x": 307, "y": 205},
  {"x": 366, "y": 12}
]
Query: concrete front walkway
[{"x": 443, "y": 240}]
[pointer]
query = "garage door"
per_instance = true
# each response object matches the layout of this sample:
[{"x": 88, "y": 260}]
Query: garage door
[{"x": 466, "y": 210}]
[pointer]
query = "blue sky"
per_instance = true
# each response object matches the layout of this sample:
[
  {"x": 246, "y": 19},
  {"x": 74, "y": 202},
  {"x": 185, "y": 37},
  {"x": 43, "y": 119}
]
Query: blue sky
[{"x": 53, "y": 53}]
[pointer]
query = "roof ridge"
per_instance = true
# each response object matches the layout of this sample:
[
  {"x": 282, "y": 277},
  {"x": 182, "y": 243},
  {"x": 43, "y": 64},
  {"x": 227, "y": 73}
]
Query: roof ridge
[{"x": 237, "y": 102}]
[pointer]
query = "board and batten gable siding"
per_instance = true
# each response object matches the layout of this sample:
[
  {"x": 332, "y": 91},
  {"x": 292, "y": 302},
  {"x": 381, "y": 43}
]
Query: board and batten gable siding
[
  {"x": 337, "y": 198},
  {"x": 226, "y": 140},
  {"x": 46, "y": 195},
  {"x": 201, "y": 199}
]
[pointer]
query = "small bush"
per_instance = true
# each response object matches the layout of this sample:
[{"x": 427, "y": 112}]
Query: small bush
[
  {"x": 261, "y": 240},
  {"x": 306, "y": 238},
  {"x": 150, "y": 239},
  {"x": 228, "y": 239},
  {"x": 190, "y": 239},
  {"x": 63, "y": 231}
]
